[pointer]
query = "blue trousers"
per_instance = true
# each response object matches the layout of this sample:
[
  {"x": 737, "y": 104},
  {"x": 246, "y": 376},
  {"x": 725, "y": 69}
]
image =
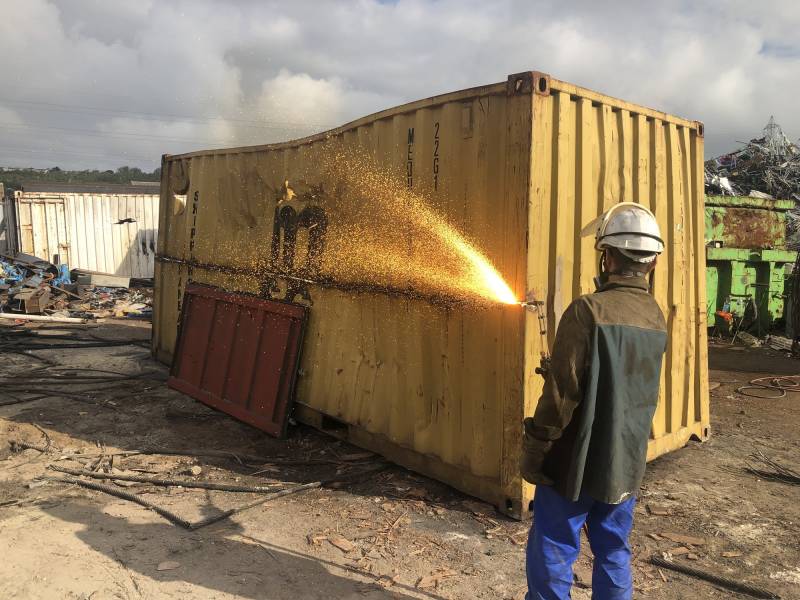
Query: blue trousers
[{"x": 554, "y": 543}]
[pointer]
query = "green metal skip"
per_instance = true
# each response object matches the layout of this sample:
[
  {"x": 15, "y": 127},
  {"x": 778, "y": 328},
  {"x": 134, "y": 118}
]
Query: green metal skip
[{"x": 747, "y": 263}]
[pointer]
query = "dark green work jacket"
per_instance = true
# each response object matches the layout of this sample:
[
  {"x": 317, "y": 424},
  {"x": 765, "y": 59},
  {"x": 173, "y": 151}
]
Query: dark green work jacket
[{"x": 590, "y": 430}]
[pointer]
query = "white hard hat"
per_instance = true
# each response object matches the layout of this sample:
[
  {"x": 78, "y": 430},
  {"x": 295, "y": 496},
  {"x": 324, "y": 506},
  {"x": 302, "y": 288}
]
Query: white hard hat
[{"x": 629, "y": 227}]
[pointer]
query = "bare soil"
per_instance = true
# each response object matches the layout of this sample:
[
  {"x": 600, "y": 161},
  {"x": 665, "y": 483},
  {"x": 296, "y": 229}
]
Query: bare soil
[{"x": 391, "y": 534}]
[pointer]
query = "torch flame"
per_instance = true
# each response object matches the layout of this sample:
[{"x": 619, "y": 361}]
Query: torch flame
[
  {"x": 487, "y": 281},
  {"x": 495, "y": 283}
]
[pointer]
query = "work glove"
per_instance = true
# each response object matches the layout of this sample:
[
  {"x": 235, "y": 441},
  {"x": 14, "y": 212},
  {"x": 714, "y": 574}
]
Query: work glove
[{"x": 534, "y": 452}]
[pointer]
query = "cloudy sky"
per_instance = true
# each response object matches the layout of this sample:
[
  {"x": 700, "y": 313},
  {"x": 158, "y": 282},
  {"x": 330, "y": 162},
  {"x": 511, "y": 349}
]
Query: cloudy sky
[{"x": 100, "y": 83}]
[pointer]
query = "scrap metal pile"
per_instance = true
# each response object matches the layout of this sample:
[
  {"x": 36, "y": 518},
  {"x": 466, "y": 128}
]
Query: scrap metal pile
[
  {"x": 32, "y": 286},
  {"x": 768, "y": 166}
]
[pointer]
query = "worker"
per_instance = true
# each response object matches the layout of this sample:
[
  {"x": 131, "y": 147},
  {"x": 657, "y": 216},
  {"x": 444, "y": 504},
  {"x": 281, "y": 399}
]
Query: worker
[{"x": 585, "y": 446}]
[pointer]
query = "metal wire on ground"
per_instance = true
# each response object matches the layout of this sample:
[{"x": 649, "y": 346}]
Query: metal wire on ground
[
  {"x": 71, "y": 373},
  {"x": 27, "y": 354},
  {"x": 781, "y": 385},
  {"x": 730, "y": 584},
  {"x": 779, "y": 472},
  {"x": 22, "y": 340},
  {"x": 56, "y": 381},
  {"x": 30, "y": 346}
]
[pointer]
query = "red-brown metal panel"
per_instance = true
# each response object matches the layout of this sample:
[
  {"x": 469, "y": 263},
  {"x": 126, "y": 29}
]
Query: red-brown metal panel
[{"x": 239, "y": 354}]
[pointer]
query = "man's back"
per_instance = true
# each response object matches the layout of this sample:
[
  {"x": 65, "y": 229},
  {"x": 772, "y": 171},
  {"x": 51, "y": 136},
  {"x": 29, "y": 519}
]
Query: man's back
[{"x": 603, "y": 448}]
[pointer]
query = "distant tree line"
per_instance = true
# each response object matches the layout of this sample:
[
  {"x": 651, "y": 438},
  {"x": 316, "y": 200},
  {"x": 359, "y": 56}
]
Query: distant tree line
[{"x": 13, "y": 178}]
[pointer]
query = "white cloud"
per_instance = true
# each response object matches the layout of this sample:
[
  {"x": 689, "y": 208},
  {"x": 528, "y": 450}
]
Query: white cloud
[
  {"x": 10, "y": 117},
  {"x": 304, "y": 103},
  {"x": 275, "y": 70},
  {"x": 299, "y": 98}
]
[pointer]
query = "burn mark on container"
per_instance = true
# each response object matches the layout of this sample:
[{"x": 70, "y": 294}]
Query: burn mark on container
[
  {"x": 193, "y": 231},
  {"x": 443, "y": 300},
  {"x": 179, "y": 176},
  {"x": 178, "y": 187},
  {"x": 467, "y": 121},
  {"x": 292, "y": 214}
]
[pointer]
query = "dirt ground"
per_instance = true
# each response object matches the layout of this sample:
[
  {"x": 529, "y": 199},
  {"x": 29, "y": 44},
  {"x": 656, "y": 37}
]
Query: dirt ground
[{"x": 386, "y": 534}]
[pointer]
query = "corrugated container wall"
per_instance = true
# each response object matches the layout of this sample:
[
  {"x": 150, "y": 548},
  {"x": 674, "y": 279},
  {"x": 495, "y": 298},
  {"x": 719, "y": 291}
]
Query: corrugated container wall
[
  {"x": 519, "y": 167},
  {"x": 107, "y": 233}
]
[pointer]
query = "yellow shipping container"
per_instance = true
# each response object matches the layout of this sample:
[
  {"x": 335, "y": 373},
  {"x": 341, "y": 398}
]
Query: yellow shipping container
[{"x": 519, "y": 167}]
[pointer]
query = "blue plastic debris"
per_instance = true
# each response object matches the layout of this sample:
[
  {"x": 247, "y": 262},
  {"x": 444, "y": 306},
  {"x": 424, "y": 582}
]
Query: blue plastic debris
[
  {"x": 9, "y": 273},
  {"x": 63, "y": 276},
  {"x": 32, "y": 285}
]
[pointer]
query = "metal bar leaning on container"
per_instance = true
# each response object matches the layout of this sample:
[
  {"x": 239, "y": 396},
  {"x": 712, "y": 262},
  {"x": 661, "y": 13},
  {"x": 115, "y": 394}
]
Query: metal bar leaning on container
[{"x": 730, "y": 584}]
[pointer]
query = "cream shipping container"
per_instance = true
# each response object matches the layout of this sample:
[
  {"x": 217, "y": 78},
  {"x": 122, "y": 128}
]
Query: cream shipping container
[{"x": 106, "y": 228}]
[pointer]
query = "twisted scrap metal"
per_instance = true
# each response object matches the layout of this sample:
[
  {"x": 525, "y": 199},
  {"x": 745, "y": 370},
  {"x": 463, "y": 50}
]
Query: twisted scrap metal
[{"x": 768, "y": 164}]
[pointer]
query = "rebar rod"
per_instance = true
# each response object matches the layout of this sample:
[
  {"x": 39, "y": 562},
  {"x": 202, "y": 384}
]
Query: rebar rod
[{"x": 205, "y": 485}]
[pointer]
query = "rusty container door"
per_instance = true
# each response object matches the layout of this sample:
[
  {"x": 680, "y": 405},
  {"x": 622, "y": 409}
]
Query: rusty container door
[{"x": 239, "y": 354}]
